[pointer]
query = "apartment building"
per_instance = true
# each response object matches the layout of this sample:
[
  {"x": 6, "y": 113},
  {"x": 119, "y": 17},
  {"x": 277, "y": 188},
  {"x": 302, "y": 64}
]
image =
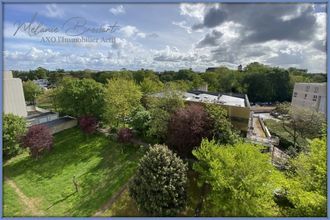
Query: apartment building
[
  {"x": 13, "y": 95},
  {"x": 310, "y": 95}
]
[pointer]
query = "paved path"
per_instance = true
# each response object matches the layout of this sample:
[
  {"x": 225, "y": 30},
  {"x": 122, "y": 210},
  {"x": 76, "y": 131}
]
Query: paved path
[{"x": 30, "y": 206}]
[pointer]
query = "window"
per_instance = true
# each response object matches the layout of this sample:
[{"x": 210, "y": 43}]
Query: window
[
  {"x": 316, "y": 89},
  {"x": 307, "y": 88},
  {"x": 305, "y": 96},
  {"x": 314, "y": 98},
  {"x": 295, "y": 94}
]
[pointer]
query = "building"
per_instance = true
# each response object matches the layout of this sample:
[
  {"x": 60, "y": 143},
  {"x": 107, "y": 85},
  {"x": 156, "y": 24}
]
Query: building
[
  {"x": 14, "y": 103},
  {"x": 237, "y": 105},
  {"x": 310, "y": 95},
  {"x": 13, "y": 95},
  {"x": 43, "y": 83}
]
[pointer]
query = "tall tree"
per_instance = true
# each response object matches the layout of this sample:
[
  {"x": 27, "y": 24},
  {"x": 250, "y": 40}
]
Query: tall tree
[
  {"x": 122, "y": 98},
  {"x": 241, "y": 179},
  {"x": 307, "y": 190},
  {"x": 187, "y": 127},
  {"x": 304, "y": 123},
  {"x": 161, "y": 109},
  {"x": 159, "y": 186},
  {"x": 31, "y": 91},
  {"x": 80, "y": 97}
]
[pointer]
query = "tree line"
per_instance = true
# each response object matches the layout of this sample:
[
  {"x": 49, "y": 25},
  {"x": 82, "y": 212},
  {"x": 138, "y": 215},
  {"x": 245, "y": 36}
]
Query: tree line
[{"x": 260, "y": 82}]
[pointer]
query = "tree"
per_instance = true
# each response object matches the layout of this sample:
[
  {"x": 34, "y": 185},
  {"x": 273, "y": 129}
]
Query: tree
[
  {"x": 186, "y": 129},
  {"x": 149, "y": 86},
  {"x": 125, "y": 135},
  {"x": 78, "y": 98},
  {"x": 88, "y": 124},
  {"x": 14, "y": 127},
  {"x": 222, "y": 129},
  {"x": 161, "y": 109},
  {"x": 159, "y": 186},
  {"x": 307, "y": 189},
  {"x": 241, "y": 179},
  {"x": 38, "y": 139},
  {"x": 122, "y": 98},
  {"x": 41, "y": 73},
  {"x": 304, "y": 123},
  {"x": 31, "y": 91},
  {"x": 141, "y": 119}
]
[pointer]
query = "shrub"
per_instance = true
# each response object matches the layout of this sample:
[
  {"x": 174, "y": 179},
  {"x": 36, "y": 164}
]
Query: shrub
[
  {"x": 187, "y": 127},
  {"x": 14, "y": 128},
  {"x": 159, "y": 184},
  {"x": 38, "y": 139},
  {"x": 141, "y": 121},
  {"x": 125, "y": 135},
  {"x": 88, "y": 124}
]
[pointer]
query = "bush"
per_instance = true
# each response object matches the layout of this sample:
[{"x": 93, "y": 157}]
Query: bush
[
  {"x": 187, "y": 127},
  {"x": 38, "y": 139},
  {"x": 159, "y": 184},
  {"x": 88, "y": 124},
  {"x": 141, "y": 121},
  {"x": 125, "y": 135},
  {"x": 14, "y": 128}
]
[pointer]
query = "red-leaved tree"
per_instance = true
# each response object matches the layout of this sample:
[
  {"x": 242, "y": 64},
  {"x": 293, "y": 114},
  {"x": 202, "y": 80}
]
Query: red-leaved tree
[
  {"x": 38, "y": 139},
  {"x": 125, "y": 135},
  {"x": 187, "y": 127},
  {"x": 88, "y": 124}
]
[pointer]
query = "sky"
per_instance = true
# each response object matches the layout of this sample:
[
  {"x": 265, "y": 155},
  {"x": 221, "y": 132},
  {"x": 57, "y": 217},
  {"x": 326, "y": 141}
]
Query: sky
[{"x": 164, "y": 36}]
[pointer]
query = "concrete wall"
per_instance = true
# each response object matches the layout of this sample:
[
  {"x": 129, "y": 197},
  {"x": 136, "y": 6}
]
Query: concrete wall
[
  {"x": 13, "y": 95},
  {"x": 63, "y": 126}
]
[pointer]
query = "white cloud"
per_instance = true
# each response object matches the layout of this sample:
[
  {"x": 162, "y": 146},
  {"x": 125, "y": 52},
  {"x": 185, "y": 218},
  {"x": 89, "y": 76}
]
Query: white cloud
[
  {"x": 118, "y": 10},
  {"x": 53, "y": 11}
]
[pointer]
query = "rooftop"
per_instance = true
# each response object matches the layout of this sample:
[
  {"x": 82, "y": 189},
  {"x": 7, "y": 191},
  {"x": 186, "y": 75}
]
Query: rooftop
[{"x": 223, "y": 99}]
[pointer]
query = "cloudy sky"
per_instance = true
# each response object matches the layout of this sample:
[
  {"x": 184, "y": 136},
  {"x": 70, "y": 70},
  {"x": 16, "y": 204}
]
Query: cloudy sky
[{"x": 164, "y": 36}]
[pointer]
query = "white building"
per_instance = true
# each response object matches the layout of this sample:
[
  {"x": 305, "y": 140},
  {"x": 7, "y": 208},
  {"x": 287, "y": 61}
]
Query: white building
[
  {"x": 13, "y": 95},
  {"x": 310, "y": 95}
]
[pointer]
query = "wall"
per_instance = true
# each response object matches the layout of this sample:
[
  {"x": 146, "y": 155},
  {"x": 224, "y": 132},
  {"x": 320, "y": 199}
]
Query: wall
[{"x": 13, "y": 95}]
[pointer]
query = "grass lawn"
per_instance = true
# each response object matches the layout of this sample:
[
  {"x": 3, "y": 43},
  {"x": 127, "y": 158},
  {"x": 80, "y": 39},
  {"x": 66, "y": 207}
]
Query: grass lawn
[{"x": 99, "y": 165}]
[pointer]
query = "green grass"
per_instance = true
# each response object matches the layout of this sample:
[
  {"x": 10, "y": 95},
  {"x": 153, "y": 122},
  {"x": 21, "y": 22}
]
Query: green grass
[
  {"x": 12, "y": 206},
  {"x": 100, "y": 166}
]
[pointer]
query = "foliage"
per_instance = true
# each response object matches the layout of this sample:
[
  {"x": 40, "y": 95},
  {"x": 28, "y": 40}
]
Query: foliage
[
  {"x": 14, "y": 128},
  {"x": 161, "y": 109},
  {"x": 159, "y": 184},
  {"x": 149, "y": 86},
  {"x": 222, "y": 129},
  {"x": 88, "y": 124},
  {"x": 304, "y": 123},
  {"x": 79, "y": 97},
  {"x": 283, "y": 108},
  {"x": 308, "y": 187},
  {"x": 186, "y": 129},
  {"x": 241, "y": 179},
  {"x": 141, "y": 119},
  {"x": 125, "y": 135},
  {"x": 122, "y": 98},
  {"x": 31, "y": 91},
  {"x": 38, "y": 139},
  {"x": 46, "y": 99}
]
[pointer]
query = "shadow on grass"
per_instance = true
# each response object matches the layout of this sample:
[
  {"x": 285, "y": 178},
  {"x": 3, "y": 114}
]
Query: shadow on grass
[{"x": 100, "y": 165}]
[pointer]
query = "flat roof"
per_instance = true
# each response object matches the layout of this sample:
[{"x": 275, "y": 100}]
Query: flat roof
[
  {"x": 233, "y": 101},
  {"x": 208, "y": 98}
]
